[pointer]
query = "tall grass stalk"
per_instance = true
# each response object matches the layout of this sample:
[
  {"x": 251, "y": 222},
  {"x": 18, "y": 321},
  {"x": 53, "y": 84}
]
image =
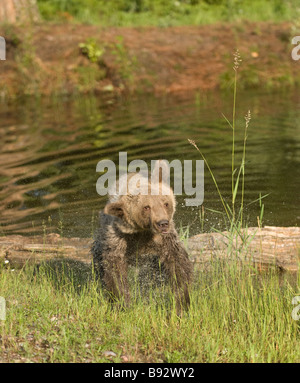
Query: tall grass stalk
[
  {"x": 237, "y": 61},
  {"x": 192, "y": 142},
  {"x": 235, "y": 220},
  {"x": 247, "y": 119}
]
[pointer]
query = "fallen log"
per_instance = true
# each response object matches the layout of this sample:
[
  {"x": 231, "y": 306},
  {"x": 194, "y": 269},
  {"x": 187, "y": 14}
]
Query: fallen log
[
  {"x": 18, "y": 249},
  {"x": 266, "y": 247}
]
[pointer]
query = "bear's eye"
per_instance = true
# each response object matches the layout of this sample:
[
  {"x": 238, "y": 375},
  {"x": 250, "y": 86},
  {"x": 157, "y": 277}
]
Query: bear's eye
[
  {"x": 147, "y": 208},
  {"x": 166, "y": 204}
]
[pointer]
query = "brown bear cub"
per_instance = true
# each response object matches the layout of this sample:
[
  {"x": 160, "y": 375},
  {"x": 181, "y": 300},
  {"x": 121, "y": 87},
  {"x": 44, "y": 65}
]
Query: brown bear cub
[{"x": 138, "y": 224}]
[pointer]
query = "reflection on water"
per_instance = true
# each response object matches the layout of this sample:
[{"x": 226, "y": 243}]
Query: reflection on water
[{"x": 49, "y": 152}]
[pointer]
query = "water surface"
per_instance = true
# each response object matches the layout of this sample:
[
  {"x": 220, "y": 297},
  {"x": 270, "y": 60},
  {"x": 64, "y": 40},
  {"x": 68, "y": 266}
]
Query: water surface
[{"x": 49, "y": 151}]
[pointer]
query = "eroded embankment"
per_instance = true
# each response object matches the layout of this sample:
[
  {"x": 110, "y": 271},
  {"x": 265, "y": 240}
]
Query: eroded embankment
[{"x": 46, "y": 59}]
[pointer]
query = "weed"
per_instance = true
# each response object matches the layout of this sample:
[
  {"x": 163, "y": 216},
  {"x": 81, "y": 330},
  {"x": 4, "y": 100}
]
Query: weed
[
  {"x": 89, "y": 76},
  {"x": 91, "y": 49},
  {"x": 126, "y": 63},
  {"x": 11, "y": 36},
  {"x": 31, "y": 73},
  {"x": 237, "y": 228}
]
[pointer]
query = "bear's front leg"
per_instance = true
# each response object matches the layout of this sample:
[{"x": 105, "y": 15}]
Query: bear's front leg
[
  {"x": 115, "y": 276},
  {"x": 178, "y": 266},
  {"x": 109, "y": 255}
]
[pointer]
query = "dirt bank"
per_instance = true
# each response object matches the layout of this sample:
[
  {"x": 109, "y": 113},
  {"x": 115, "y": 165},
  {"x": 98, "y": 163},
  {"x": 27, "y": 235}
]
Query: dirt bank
[{"x": 46, "y": 59}]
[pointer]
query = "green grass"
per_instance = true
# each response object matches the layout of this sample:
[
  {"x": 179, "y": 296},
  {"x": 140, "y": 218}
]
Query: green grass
[
  {"x": 57, "y": 313},
  {"x": 166, "y": 12}
]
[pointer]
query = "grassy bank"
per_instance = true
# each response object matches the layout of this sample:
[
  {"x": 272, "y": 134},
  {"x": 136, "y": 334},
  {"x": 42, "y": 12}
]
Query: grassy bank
[
  {"x": 57, "y": 313},
  {"x": 110, "y": 46},
  {"x": 166, "y": 13}
]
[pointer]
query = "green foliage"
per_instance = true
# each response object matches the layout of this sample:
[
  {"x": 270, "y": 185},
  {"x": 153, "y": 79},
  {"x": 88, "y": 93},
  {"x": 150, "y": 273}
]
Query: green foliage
[
  {"x": 166, "y": 12},
  {"x": 92, "y": 50}
]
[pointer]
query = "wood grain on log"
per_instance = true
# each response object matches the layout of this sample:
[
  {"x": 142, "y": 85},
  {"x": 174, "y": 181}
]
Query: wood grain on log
[
  {"x": 269, "y": 246},
  {"x": 19, "y": 249}
]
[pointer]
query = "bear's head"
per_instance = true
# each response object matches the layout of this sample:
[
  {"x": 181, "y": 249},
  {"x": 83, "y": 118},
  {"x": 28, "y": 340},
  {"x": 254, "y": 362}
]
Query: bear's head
[{"x": 139, "y": 208}]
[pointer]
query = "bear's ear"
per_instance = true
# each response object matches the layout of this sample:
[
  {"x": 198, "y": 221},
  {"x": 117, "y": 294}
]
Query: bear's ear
[{"x": 115, "y": 208}]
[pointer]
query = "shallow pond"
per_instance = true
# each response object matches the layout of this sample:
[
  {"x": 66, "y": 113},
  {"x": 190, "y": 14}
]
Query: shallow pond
[{"x": 49, "y": 152}]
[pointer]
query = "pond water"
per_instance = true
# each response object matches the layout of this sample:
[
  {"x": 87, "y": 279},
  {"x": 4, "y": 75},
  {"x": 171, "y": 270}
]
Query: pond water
[{"x": 49, "y": 152}]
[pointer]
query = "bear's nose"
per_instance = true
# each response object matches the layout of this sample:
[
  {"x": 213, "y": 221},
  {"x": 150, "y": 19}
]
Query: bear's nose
[{"x": 163, "y": 225}]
